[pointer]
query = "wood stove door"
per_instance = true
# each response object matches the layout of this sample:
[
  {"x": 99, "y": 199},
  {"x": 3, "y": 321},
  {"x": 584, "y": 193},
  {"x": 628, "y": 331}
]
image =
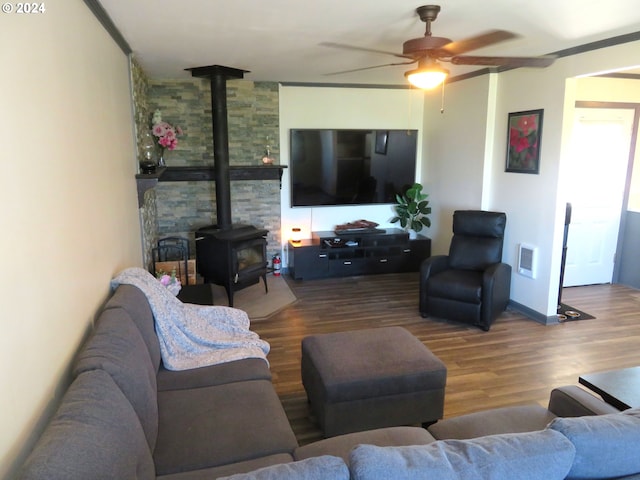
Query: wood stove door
[{"x": 249, "y": 260}]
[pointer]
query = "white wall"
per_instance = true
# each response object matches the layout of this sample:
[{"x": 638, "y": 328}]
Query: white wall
[
  {"x": 67, "y": 200},
  {"x": 362, "y": 108}
]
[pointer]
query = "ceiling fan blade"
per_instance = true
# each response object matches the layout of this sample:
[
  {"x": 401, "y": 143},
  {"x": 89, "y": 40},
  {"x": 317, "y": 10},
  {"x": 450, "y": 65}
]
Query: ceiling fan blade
[
  {"x": 473, "y": 43},
  {"x": 536, "y": 62},
  {"x": 370, "y": 68},
  {"x": 361, "y": 49}
]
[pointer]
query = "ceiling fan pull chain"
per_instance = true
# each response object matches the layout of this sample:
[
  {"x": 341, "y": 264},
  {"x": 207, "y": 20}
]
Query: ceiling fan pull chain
[{"x": 442, "y": 100}]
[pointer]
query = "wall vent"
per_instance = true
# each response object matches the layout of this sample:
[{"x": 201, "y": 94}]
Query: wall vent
[{"x": 527, "y": 260}]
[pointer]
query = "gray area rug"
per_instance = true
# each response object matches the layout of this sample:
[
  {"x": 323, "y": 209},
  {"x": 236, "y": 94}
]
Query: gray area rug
[{"x": 253, "y": 300}]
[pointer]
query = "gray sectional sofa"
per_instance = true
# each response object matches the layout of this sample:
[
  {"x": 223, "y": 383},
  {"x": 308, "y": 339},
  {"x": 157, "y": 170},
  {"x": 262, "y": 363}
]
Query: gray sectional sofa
[{"x": 126, "y": 416}]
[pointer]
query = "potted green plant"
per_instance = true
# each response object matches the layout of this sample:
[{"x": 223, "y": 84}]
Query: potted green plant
[{"x": 412, "y": 209}]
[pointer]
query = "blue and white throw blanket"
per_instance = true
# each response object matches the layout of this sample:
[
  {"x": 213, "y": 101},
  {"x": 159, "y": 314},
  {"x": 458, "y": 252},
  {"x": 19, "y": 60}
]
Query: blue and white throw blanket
[{"x": 193, "y": 336}]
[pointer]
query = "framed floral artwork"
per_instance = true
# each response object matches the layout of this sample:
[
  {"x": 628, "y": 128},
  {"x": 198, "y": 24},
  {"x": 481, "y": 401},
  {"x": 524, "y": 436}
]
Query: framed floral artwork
[{"x": 523, "y": 141}]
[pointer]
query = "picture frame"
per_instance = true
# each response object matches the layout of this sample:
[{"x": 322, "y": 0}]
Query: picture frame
[
  {"x": 524, "y": 136},
  {"x": 382, "y": 136}
]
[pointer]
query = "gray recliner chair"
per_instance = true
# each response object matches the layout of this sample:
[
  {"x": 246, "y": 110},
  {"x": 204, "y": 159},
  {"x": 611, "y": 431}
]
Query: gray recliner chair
[{"x": 471, "y": 284}]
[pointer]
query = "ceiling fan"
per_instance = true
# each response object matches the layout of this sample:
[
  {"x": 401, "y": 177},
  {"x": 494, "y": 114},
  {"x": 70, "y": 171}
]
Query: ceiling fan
[{"x": 428, "y": 51}]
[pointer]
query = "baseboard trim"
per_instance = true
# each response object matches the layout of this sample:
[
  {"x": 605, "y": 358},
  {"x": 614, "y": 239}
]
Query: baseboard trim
[{"x": 533, "y": 314}]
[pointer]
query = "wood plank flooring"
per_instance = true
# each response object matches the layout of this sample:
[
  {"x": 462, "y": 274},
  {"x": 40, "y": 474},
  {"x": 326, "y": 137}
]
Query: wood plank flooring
[{"x": 517, "y": 362}]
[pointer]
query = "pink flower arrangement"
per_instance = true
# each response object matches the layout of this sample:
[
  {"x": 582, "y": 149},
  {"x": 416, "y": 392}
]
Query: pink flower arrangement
[
  {"x": 170, "y": 281},
  {"x": 166, "y": 134}
]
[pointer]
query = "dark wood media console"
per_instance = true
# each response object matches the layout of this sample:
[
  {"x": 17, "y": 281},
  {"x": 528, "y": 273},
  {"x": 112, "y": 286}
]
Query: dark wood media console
[{"x": 331, "y": 254}]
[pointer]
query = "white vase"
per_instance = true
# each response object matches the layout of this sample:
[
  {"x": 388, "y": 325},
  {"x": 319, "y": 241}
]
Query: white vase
[{"x": 174, "y": 288}]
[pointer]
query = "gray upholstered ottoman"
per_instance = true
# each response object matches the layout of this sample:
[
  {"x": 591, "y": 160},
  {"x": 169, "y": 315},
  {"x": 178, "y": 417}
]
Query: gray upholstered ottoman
[{"x": 373, "y": 378}]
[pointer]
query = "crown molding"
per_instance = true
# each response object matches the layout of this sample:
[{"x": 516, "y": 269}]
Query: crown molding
[{"x": 103, "y": 17}]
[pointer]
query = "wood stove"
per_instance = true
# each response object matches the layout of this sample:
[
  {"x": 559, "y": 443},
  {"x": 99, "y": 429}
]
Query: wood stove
[{"x": 235, "y": 258}]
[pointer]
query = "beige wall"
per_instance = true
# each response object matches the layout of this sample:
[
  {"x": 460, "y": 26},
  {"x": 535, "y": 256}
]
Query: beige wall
[
  {"x": 455, "y": 150},
  {"x": 67, "y": 201}
]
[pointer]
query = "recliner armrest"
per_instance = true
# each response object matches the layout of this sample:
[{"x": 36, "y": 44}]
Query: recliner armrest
[
  {"x": 430, "y": 266},
  {"x": 433, "y": 265},
  {"x": 496, "y": 290},
  {"x": 573, "y": 401}
]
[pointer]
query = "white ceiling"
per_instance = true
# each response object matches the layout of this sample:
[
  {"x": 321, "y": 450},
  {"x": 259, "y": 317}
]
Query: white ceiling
[{"x": 278, "y": 40}]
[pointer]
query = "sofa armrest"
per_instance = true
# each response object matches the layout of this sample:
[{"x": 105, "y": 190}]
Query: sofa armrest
[
  {"x": 495, "y": 421},
  {"x": 573, "y": 401}
]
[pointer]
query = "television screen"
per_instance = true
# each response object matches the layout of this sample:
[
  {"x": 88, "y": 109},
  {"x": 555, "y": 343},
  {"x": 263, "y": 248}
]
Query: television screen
[{"x": 350, "y": 167}]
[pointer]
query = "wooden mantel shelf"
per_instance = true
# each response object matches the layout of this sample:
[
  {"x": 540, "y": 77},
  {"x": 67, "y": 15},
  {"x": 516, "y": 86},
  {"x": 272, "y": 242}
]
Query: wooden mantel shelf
[
  {"x": 146, "y": 181},
  {"x": 206, "y": 174},
  {"x": 236, "y": 172}
]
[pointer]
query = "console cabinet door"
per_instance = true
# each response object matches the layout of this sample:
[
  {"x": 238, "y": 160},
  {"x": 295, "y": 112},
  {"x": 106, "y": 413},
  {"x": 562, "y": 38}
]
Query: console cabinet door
[
  {"x": 345, "y": 267},
  {"x": 308, "y": 262},
  {"x": 419, "y": 249}
]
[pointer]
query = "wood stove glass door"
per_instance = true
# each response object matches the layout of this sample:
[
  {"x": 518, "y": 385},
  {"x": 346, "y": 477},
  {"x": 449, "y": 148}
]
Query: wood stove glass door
[{"x": 250, "y": 260}]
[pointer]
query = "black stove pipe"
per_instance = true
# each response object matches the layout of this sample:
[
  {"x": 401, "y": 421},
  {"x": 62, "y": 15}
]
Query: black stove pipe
[
  {"x": 218, "y": 76},
  {"x": 221, "y": 150}
]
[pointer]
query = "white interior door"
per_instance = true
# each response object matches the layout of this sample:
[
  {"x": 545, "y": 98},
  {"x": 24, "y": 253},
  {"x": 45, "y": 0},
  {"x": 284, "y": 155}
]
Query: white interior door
[{"x": 600, "y": 155}]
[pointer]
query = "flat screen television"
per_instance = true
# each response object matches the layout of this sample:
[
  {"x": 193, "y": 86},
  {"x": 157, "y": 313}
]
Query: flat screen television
[{"x": 350, "y": 167}]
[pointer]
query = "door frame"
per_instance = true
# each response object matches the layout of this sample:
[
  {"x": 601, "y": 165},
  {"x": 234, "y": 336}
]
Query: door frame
[{"x": 630, "y": 161}]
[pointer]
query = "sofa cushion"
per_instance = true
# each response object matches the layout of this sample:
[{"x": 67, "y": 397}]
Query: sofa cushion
[
  {"x": 230, "y": 469},
  {"x": 135, "y": 302},
  {"x": 315, "y": 468},
  {"x": 518, "y": 419},
  {"x": 342, "y": 445},
  {"x": 94, "y": 434},
  {"x": 543, "y": 455},
  {"x": 116, "y": 346},
  {"x": 606, "y": 445},
  {"x": 457, "y": 285},
  {"x": 210, "y": 426},
  {"x": 211, "y": 375}
]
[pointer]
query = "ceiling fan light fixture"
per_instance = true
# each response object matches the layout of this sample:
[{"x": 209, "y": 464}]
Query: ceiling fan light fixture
[{"x": 428, "y": 76}]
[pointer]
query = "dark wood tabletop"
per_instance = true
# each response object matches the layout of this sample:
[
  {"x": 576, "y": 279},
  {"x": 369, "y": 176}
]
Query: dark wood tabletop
[{"x": 620, "y": 388}]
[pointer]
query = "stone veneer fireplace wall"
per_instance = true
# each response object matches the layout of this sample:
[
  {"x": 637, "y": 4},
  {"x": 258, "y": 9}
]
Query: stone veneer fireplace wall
[
  {"x": 180, "y": 208},
  {"x": 148, "y": 211}
]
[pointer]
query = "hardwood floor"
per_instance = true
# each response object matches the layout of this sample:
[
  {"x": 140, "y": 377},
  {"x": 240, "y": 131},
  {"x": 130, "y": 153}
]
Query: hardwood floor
[{"x": 517, "y": 362}]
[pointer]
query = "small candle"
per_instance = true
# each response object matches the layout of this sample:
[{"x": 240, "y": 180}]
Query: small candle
[{"x": 295, "y": 235}]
